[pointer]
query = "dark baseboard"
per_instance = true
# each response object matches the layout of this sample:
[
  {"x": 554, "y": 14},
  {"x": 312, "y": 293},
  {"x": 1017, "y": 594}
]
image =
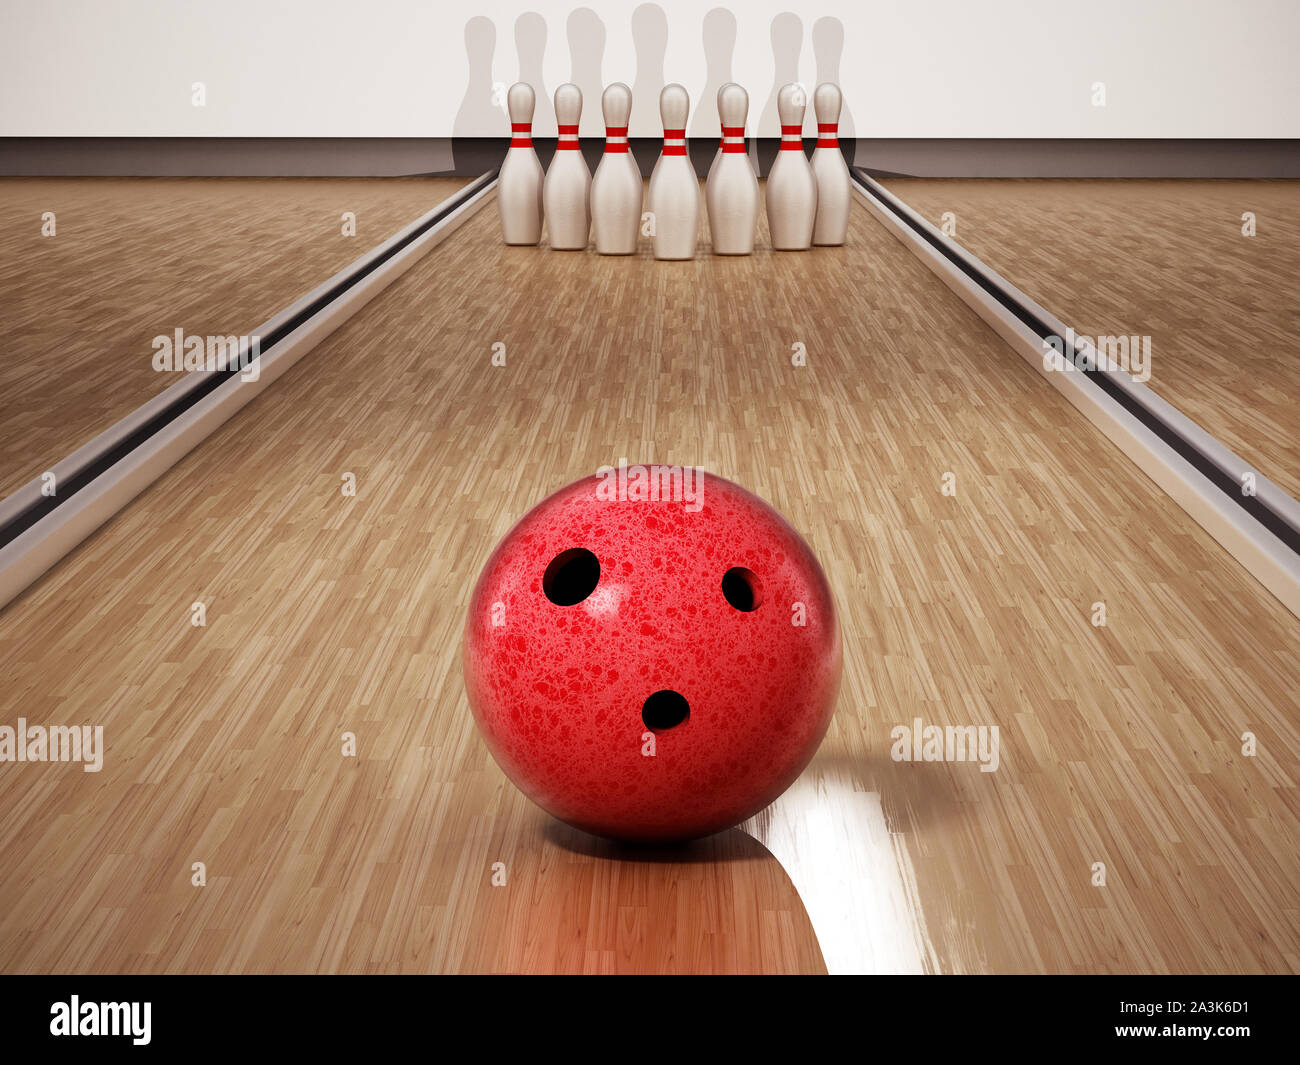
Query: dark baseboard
[
  {"x": 470, "y": 156},
  {"x": 1072, "y": 158},
  {"x": 224, "y": 156}
]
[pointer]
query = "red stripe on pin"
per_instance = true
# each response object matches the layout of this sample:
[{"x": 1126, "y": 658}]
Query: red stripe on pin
[
  {"x": 568, "y": 139},
  {"x": 733, "y": 146},
  {"x": 521, "y": 127},
  {"x": 674, "y": 149},
  {"x": 521, "y": 142},
  {"x": 616, "y": 140}
]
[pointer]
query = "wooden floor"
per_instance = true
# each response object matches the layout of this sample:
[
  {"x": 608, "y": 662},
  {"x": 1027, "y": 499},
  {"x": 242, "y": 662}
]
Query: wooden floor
[
  {"x": 1168, "y": 260},
  {"x": 326, "y": 614},
  {"x": 132, "y": 259}
]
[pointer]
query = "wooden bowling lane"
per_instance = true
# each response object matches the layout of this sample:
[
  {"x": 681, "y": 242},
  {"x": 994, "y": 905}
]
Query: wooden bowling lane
[
  {"x": 1165, "y": 259},
  {"x": 328, "y": 614},
  {"x": 134, "y": 258}
]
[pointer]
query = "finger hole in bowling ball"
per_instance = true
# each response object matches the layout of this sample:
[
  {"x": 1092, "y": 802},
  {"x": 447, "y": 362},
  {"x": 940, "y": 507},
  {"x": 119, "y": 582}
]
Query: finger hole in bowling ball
[
  {"x": 742, "y": 588},
  {"x": 664, "y": 710},
  {"x": 571, "y": 576}
]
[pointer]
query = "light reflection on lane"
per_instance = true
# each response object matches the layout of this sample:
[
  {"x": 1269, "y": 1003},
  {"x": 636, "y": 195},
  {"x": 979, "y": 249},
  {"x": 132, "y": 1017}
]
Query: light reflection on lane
[{"x": 854, "y": 876}]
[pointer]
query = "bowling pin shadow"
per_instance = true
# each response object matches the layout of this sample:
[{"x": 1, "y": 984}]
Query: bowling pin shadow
[
  {"x": 478, "y": 116},
  {"x": 733, "y": 845},
  {"x": 586, "y": 34},
  {"x": 828, "y": 49},
  {"x": 530, "y": 45},
  {"x": 650, "y": 39},
  {"x": 787, "y": 42},
  {"x": 719, "y": 49}
]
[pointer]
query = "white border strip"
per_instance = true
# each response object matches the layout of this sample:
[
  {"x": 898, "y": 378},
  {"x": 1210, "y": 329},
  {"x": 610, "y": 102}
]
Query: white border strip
[
  {"x": 38, "y": 548},
  {"x": 1269, "y": 560}
]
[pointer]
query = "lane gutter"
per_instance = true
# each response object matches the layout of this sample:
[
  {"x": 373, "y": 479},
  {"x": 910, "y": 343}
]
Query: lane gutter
[
  {"x": 104, "y": 475},
  {"x": 1260, "y": 528}
]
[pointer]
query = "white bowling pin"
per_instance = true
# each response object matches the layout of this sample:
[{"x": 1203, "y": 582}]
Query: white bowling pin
[
  {"x": 616, "y": 188},
  {"x": 791, "y": 187},
  {"x": 731, "y": 193},
  {"x": 519, "y": 186},
  {"x": 567, "y": 190},
  {"x": 832, "y": 173},
  {"x": 674, "y": 198},
  {"x": 718, "y": 154}
]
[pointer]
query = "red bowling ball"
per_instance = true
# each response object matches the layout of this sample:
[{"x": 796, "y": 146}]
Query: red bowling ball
[{"x": 652, "y": 654}]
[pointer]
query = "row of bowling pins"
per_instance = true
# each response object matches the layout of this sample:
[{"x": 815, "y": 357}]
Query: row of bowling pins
[{"x": 807, "y": 203}]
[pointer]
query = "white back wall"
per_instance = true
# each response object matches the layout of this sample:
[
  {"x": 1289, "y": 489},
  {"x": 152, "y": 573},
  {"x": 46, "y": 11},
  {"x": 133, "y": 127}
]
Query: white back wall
[{"x": 415, "y": 68}]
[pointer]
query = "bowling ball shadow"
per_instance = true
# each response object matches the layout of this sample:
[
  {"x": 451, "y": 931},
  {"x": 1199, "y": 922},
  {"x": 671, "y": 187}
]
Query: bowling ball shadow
[
  {"x": 721, "y": 904},
  {"x": 731, "y": 845}
]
